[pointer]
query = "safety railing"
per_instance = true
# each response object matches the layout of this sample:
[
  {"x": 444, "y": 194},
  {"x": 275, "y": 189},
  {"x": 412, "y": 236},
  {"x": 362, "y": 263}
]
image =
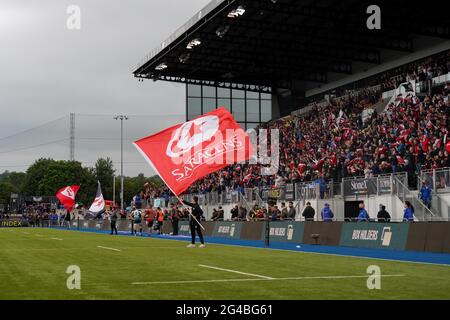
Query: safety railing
[
  {"x": 421, "y": 86},
  {"x": 421, "y": 211},
  {"x": 376, "y": 185},
  {"x": 437, "y": 179},
  {"x": 349, "y": 187},
  {"x": 438, "y": 205}
]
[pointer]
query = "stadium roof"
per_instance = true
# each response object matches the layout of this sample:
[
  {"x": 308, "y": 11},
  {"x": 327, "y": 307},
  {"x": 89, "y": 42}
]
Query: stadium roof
[{"x": 275, "y": 43}]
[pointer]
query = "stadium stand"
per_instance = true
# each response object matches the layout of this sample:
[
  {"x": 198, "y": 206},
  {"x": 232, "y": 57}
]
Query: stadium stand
[
  {"x": 362, "y": 115},
  {"x": 336, "y": 139},
  {"x": 406, "y": 137}
]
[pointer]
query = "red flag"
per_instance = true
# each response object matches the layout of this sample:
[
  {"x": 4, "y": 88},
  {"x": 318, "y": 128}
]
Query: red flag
[
  {"x": 187, "y": 152},
  {"x": 67, "y": 195}
]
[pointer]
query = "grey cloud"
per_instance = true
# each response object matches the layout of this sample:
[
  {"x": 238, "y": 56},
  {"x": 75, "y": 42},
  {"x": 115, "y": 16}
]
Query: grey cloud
[{"x": 48, "y": 72}]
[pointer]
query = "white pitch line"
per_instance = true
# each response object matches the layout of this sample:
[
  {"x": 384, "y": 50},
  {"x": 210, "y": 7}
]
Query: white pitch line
[
  {"x": 342, "y": 255},
  {"x": 57, "y": 239},
  {"x": 234, "y": 271},
  {"x": 107, "y": 248},
  {"x": 263, "y": 279}
]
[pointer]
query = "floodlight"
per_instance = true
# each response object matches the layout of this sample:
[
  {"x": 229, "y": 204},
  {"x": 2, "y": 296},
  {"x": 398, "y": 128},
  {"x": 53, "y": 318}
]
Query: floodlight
[
  {"x": 239, "y": 11},
  {"x": 193, "y": 43},
  {"x": 161, "y": 66}
]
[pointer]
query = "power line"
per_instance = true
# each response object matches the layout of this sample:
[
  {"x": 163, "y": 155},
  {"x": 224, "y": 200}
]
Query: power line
[
  {"x": 82, "y": 162},
  {"x": 16, "y": 166},
  {"x": 33, "y": 146},
  {"x": 31, "y": 129},
  {"x": 132, "y": 115},
  {"x": 105, "y": 139}
]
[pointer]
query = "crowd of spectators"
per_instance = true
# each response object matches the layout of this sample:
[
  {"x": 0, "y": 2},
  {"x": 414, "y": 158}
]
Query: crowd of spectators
[
  {"x": 333, "y": 142},
  {"x": 422, "y": 70}
]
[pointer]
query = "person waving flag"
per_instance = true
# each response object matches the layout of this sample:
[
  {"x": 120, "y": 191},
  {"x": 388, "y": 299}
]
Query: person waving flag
[{"x": 189, "y": 151}]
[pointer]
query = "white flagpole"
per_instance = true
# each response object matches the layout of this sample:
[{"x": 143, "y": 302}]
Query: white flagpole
[{"x": 193, "y": 217}]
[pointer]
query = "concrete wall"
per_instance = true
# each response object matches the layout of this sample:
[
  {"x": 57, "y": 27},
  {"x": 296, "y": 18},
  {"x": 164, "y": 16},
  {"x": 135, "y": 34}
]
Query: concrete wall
[{"x": 443, "y": 204}]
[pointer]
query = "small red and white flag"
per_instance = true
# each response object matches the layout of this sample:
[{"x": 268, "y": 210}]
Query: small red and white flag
[
  {"x": 189, "y": 151},
  {"x": 67, "y": 196}
]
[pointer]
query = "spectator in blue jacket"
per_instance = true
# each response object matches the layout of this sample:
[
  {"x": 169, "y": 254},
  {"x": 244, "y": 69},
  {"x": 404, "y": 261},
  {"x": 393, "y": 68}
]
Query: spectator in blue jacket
[
  {"x": 408, "y": 213},
  {"x": 363, "y": 215},
  {"x": 425, "y": 195},
  {"x": 322, "y": 186},
  {"x": 327, "y": 214}
]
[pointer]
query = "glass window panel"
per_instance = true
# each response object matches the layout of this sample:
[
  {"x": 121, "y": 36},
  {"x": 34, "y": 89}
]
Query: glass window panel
[
  {"x": 209, "y": 104},
  {"x": 223, "y": 92},
  {"x": 194, "y": 90},
  {"x": 194, "y": 107},
  {"x": 252, "y": 95},
  {"x": 224, "y": 103},
  {"x": 238, "y": 94},
  {"x": 209, "y": 92},
  {"x": 253, "y": 110},
  {"x": 266, "y": 110},
  {"x": 266, "y": 96},
  {"x": 239, "y": 109}
]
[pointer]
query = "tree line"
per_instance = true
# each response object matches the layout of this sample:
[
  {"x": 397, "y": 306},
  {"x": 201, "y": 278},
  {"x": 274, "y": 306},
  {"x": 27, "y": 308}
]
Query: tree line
[{"x": 46, "y": 176}]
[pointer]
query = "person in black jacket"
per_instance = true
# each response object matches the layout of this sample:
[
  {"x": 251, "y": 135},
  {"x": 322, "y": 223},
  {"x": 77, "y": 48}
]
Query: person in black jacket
[
  {"x": 309, "y": 212},
  {"x": 113, "y": 218},
  {"x": 383, "y": 215},
  {"x": 174, "y": 217},
  {"x": 67, "y": 219},
  {"x": 197, "y": 212},
  {"x": 235, "y": 213}
]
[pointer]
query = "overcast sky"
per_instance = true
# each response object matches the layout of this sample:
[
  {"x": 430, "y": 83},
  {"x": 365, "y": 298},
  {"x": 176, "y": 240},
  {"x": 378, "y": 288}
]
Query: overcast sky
[{"x": 48, "y": 71}]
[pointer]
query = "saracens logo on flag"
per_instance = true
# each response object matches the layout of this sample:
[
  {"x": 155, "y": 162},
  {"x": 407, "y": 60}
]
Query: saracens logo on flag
[
  {"x": 98, "y": 206},
  {"x": 187, "y": 152},
  {"x": 67, "y": 195}
]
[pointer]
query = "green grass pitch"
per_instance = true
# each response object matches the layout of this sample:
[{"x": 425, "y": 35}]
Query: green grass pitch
[{"x": 33, "y": 264}]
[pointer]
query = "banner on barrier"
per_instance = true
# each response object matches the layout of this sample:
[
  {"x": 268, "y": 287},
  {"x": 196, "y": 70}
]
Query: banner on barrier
[
  {"x": 289, "y": 194},
  {"x": 273, "y": 193},
  {"x": 375, "y": 235},
  {"x": 229, "y": 229},
  {"x": 285, "y": 231},
  {"x": 367, "y": 186},
  {"x": 13, "y": 223},
  {"x": 360, "y": 187},
  {"x": 183, "y": 228}
]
